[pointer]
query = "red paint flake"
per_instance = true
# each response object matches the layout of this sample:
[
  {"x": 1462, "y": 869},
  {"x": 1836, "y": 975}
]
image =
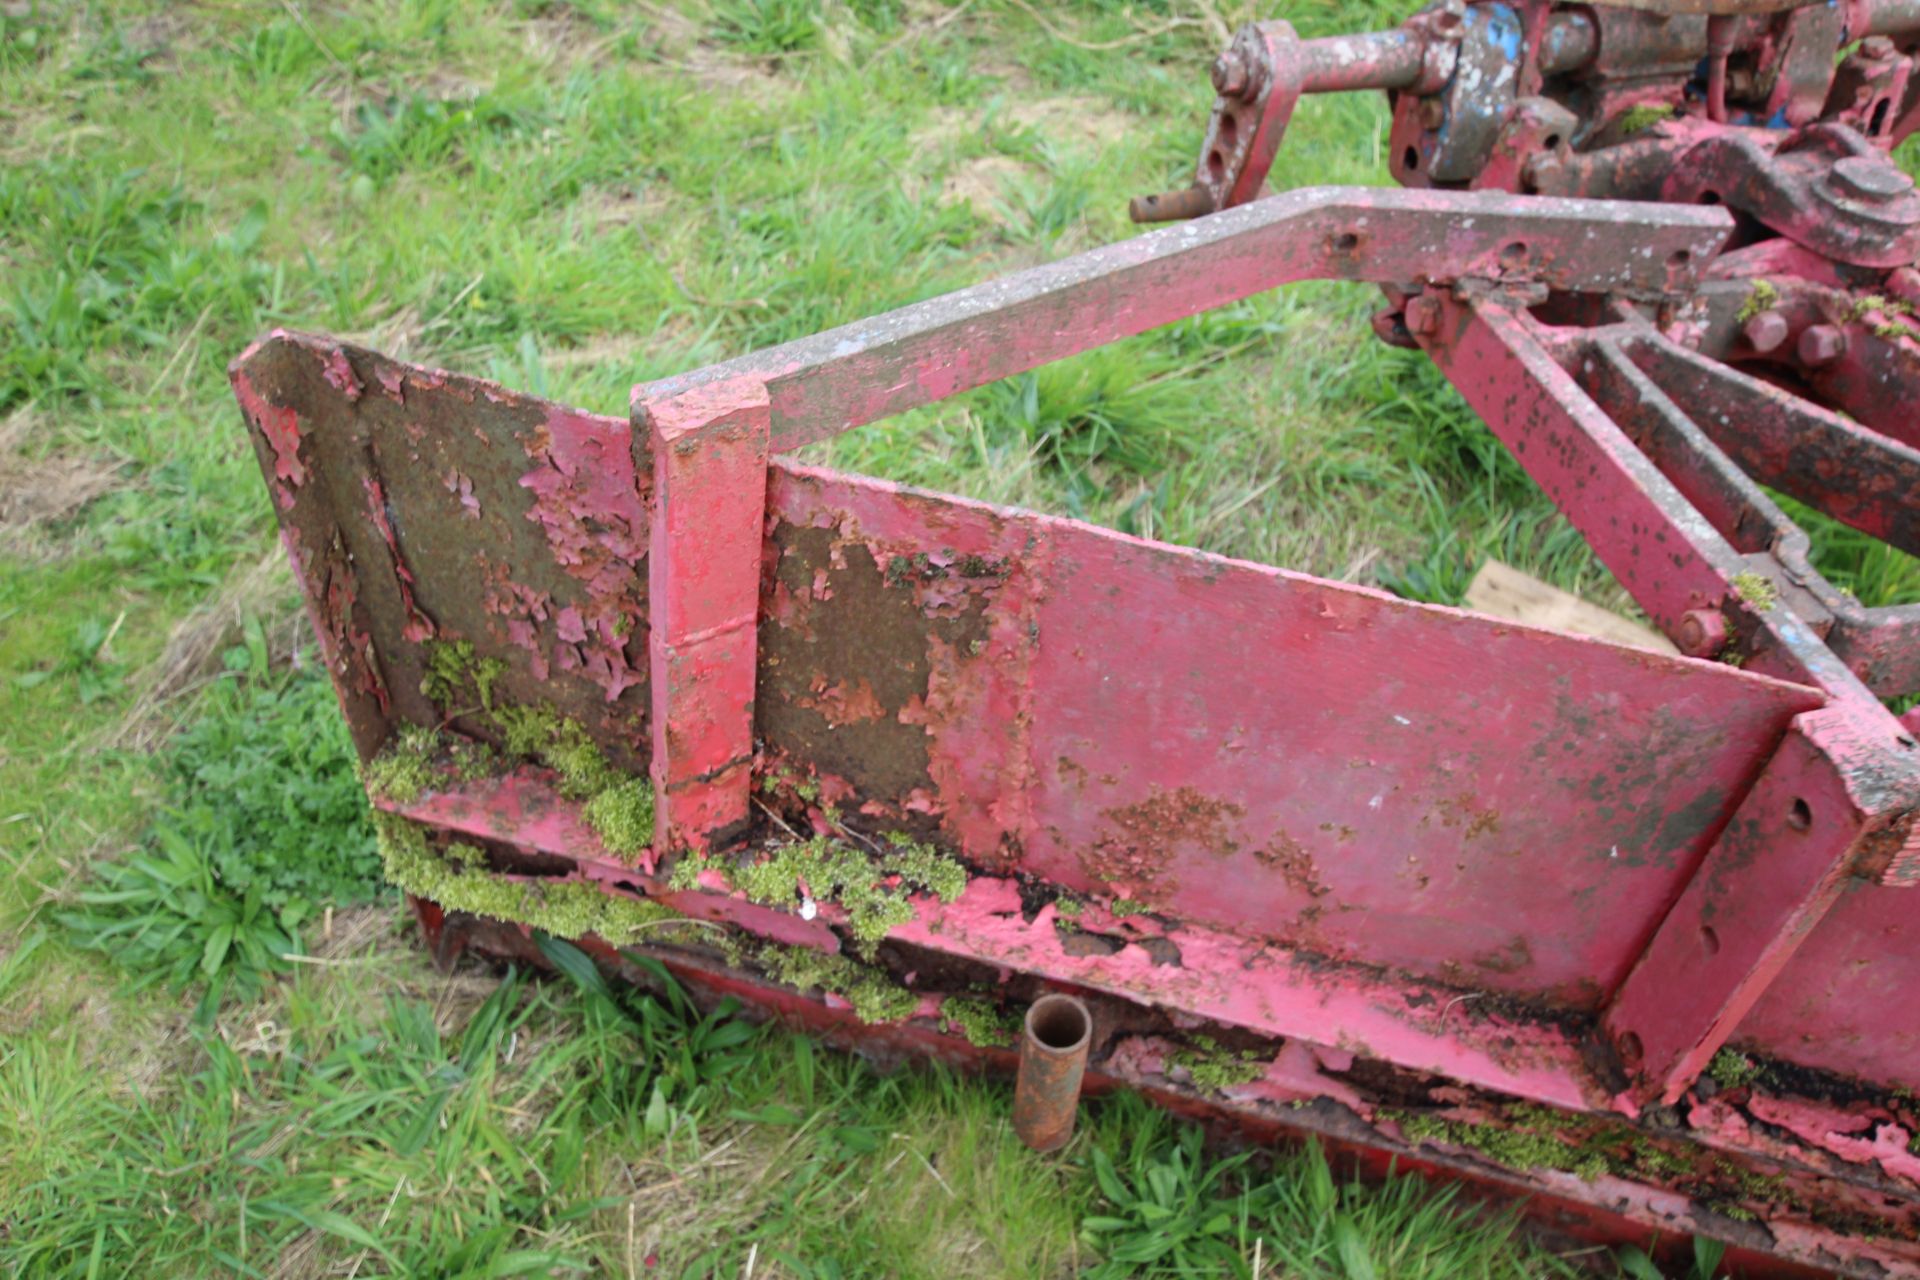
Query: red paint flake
[
  {"x": 461, "y": 486},
  {"x": 340, "y": 375},
  {"x": 851, "y": 703},
  {"x": 281, "y": 427},
  {"x": 419, "y": 627},
  {"x": 591, "y": 505},
  {"x": 391, "y": 379}
]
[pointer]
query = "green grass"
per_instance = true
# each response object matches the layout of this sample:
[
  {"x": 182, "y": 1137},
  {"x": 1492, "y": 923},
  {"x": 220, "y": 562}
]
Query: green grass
[{"x": 574, "y": 197}]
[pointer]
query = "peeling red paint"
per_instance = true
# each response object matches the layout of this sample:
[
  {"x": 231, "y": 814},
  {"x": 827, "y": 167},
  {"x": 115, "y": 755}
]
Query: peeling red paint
[
  {"x": 281, "y": 427},
  {"x": 340, "y": 375},
  {"x": 591, "y": 504}
]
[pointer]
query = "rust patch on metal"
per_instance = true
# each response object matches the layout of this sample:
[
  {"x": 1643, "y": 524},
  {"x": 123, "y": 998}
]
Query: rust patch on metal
[
  {"x": 1465, "y": 810},
  {"x": 1296, "y": 866},
  {"x": 847, "y": 653},
  {"x": 1146, "y": 837}
]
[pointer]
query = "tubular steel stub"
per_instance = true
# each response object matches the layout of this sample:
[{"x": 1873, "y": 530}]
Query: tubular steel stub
[{"x": 1055, "y": 1037}]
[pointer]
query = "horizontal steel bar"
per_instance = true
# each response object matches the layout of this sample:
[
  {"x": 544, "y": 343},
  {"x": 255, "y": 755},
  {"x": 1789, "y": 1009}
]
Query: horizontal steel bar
[
  {"x": 858, "y": 373},
  {"x": 1273, "y": 992}
]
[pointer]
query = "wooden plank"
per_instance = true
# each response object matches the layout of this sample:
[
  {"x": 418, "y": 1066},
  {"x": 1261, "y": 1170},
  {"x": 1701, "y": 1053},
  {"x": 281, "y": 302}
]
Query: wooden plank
[{"x": 1502, "y": 591}]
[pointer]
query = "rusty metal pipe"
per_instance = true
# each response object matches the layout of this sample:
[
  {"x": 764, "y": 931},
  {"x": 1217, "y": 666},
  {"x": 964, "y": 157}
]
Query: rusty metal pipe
[
  {"x": 1375, "y": 60},
  {"x": 1720, "y": 31},
  {"x": 1174, "y": 206},
  {"x": 1570, "y": 43},
  {"x": 1883, "y": 18},
  {"x": 1397, "y": 59},
  {"x": 1053, "y": 1057}
]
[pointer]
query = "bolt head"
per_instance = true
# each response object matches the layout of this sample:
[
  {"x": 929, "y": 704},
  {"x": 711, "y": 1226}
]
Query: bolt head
[
  {"x": 1433, "y": 113},
  {"x": 1822, "y": 344},
  {"x": 1766, "y": 331},
  {"x": 1702, "y": 633},
  {"x": 1230, "y": 78},
  {"x": 1878, "y": 48},
  {"x": 1869, "y": 180}
]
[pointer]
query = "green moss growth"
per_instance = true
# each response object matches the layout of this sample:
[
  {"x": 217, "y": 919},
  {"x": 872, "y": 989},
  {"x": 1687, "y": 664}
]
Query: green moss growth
[
  {"x": 472, "y": 761},
  {"x": 1657, "y": 1162},
  {"x": 805, "y": 789},
  {"x": 1514, "y": 1145},
  {"x": 452, "y": 668},
  {"x": 404, "y": 767},
  {"x": 1763, "y": 297},
  {"x": 1212, "y": 1067},
  {"x": 1124, "y": 907},
  {"x": 622, "y": 816},
  {"x": 543, "y": 734},
  {"x": 833, "y": 871},
  {"x": 619, "y": 808},
  {"x": 1872, "y": 302},
  {"x": 1732, "y": 1070},
  {"x": 1638, "y": 119},
  {"x": 460, "y": 881},
  {"x": 925, "y": 866},
  {"x": 982, "y": 1021},
  {"x": 1756, "y": 589},
  {"x": 1068, "y": 908},
  {"x": 686, "y": 872},
  {"x": 875, "y": 997}
]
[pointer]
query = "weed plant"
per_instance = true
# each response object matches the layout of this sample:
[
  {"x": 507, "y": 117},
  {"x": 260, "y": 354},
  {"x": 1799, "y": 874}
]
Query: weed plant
[{"x": 260, "y": 825}]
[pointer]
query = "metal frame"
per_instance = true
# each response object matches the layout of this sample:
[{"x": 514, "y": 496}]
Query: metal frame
[{"x": 1828, "y": 779}]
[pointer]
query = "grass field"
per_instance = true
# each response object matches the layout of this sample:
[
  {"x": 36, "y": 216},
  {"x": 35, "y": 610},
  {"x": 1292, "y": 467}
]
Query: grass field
[{"x": 220, "y": 1053}]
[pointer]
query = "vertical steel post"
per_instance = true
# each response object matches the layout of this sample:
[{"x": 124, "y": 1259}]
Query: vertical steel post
[{"x": 709, "y": 461}]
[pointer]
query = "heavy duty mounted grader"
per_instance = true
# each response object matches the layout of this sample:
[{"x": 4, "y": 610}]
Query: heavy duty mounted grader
[{"x": 1632, "y": 936}]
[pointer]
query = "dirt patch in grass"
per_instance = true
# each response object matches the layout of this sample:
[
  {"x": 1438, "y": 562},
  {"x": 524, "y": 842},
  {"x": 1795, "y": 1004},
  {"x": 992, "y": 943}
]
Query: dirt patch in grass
[
  {"x": 1073, "y": 120},
  {"x": 36, "y": 492},
  {"x": 680, "y": 40},
  {"x": 984, "y": 182},
  {"x": 715, "y": 69},
  {"x": 263, "y": 591},
  {"x": 566, "y": 40}
]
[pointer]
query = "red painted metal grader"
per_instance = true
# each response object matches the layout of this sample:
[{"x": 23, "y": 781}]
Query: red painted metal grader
[{"x": 1628, "y": 935}]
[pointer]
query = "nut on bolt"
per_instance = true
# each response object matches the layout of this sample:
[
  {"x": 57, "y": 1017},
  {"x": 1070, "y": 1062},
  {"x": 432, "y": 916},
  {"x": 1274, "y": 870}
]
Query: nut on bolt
[
  {"x": 1822, "y": 344},
  {"x": 1422, "y": 314},
  {"x": 1230, "y": 77},
  {"x": 1766, "y": 331},
  {"x": 1702, "y": 633}
]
